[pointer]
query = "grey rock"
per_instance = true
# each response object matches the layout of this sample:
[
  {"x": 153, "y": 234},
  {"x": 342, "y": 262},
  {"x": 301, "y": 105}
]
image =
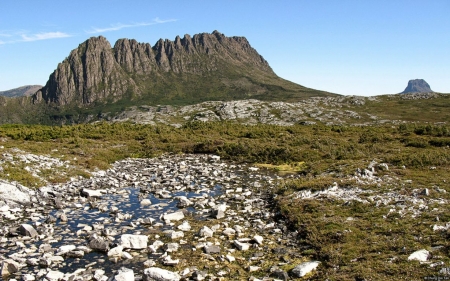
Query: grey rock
[
  {"x": 241, "y": 246},
  {"x": 176, "y": 216},
  {"x": 148, "y": 221},
  {"x": 199, "y": 275},
  {"x": 159, "y": 274},
  {"x": 305, "y": 268},
  {"x": 75, "y": 254},
  {"x": 53, "y": 275},
  {"x": 28, "y": 277},
  {"x": 258, "y": 239},
  {"x": 130, "y": 241},
  {"x": 9, "y": 267},
  {"x": 116, "y": 251},
  {"x": 278, "y": 273},
  {"x": 185, "y": 226},
  {"x": 124, "y": 274},
  {"x": 206, "y": 232},
  {"x": 99, "y": 244},
  {"x": 219, "y": 211},
  {"x": 168, "y": 261},
  {"x": 15, "y": 195},
  {"x": 213, "y": 249},
  {"x": 145, "y": 202},
  {"x": 91, "y": 193},
  {"x": 174, "y": 234},
  {"x": 27, "y": 230},
  {"x": 420, "y": 255},
  {"x": 183, "y": 202},
  {"x": 50, "y": 219},
  {"x": 171, "y": 247},
  {"x": 425, "y": 192}
]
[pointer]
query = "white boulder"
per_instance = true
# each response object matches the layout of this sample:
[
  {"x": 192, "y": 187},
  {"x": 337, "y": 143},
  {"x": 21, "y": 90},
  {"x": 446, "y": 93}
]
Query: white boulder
[
  {"x": 131, "y": 241},
  {"x": 159, "y": 274}
]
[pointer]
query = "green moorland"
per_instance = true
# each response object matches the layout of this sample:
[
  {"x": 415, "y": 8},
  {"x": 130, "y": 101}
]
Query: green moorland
[{"x": 353, "y": 240}]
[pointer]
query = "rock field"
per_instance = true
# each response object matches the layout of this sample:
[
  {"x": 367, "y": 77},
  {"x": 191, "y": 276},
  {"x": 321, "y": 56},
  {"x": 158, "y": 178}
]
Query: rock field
[
  {"x": 327, "y": 110},
  {"x": 176, "y": 217},
  {"x": 170, "y": 218}
]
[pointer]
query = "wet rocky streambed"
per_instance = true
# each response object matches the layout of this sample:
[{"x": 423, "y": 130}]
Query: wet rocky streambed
[{"x": 177, "y": 217}]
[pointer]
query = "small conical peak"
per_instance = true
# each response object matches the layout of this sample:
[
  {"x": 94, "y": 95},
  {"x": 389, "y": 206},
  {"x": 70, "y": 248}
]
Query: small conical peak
[{"x": 417, "y": 86}]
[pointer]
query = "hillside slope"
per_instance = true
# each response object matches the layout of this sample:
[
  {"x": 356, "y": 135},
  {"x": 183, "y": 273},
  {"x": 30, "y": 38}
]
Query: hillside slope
[{"x": 27, "y": 90}]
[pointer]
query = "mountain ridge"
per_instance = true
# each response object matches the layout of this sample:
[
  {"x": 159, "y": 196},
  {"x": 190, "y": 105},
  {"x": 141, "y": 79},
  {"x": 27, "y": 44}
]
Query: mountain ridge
[
  {"x": 202, "y": 67},
  {"x": 26, "y": 90}
]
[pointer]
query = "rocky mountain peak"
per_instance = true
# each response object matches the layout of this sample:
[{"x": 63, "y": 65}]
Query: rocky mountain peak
[
  {"x": 417, "y": 86},
  {"x": 95, "y": 72}
]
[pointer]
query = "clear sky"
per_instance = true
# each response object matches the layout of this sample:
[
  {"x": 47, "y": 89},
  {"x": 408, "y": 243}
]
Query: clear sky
[{"x": 350, "y": 47}]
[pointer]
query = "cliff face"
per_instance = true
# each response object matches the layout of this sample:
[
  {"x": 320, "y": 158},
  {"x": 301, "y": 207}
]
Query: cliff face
[{"x": 95, "y": 72}]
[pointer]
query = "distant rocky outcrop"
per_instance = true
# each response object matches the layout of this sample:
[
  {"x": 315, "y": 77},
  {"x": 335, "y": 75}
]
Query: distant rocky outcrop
[
  {"x": 94, "y": 72},
  {"x": 417, "y": 86},
  {"x": 21, "y": 91}
]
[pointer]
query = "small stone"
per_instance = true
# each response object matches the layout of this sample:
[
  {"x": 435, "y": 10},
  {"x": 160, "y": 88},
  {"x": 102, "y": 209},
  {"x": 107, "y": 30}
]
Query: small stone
[
  {"x": 126, "y": 256},
  {"x": 99, "y": 244},
  {"x": 99, "y": 274},
  {"x": 91, "y": 193},
  {"x": 305, "y": 268},
  {"x": 229, "y": 231},
  {"x": 174, "y": 234},
  {"x": 9, "y": 266},
  {"x": 28, "y": 277},
  {"x": 27, "y": 230},
  {"x": 230, "y": 258},
  {"x": 63, "y": 217},
  {"x": 124, "y": 274},
  {"x": 206, "y": 232},
  {"x": 241, "y": 246},
  {"x": 425, "y": 192},
  {"x": 219, "y": 211},
  {"x": 253, "y": 268},
  {"x": 176, "y": 216},
  {"x": 183, "y": 202},
  {"x": 420, "y": 255},
  {"x": 50, "y": 219},
  {"x": 146, "y": 202},
  {"x": 212, "y": 249},
  {"x": 149, "y": 263},
  {"x": 171, "y": 247},
  {"x": 136, "y": 242},
  {"x": 65, "y": 249},
  {"x": 116, "y": 251},
  {"x": 185, "y": 226},
  {"x": 148, "y": 221},
  {"x": 168, "y": 261},
  {"x": 54, "y": 275},
  {"x": 159, "y": 274},
  {"x": 258, "y": 239}
]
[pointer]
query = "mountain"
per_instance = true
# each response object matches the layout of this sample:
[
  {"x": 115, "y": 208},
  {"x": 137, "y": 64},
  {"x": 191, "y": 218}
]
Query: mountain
[
  {"x": 417, "y": 86},
  {"x": 184, "y": 71},
  {"x": 21, "y": 91}
]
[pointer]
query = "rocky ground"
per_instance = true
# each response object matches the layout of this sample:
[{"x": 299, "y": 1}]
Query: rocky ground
[
  {"x": 171, "y": 218},
  {"x": 327, "y": 110},
  {"x": 178, "y": 217}
]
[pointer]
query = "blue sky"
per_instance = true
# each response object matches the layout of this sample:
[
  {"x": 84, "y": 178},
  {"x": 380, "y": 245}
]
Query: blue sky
[{"x": 350, "y": 47}]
